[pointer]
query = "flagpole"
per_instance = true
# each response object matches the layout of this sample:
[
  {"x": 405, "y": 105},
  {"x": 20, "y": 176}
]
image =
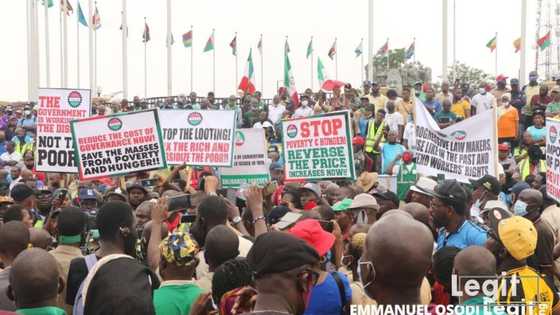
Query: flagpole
[
  {"x": 47, "y": 50},
  {"x": 311, "y": 68},
  {"x": 262, "y": 68},
  {"x": 336, "y": 59},
  {"x": 414, "y": 55},
  {"x": 370, "y": 40},
  {"x": 145, "y": 62},
  {"x": 454, "y": 40},
  {"x": 236, "y": 64},
  {"x": 65, "y": 45},
  {"x": 95, "y": 57},
  {"x": 61, "y": 47},
  {"x": 362, "y": 77},
  {"x": 444, "y": 40},
  {"x": 90, "y": 34},
  {"x": 78, "y": 47},
  {"x": 169, "y": 56},
  {"x": 522, "y": 55},
  {"x": 192, "y": 63},
  {"x": 29, "y": 54},
  {"x": 124, "y": 39},
  {"x": 213, "y": 63},
  {"x": 36, "y": 65},
  {"x": 496, "y": 56}
]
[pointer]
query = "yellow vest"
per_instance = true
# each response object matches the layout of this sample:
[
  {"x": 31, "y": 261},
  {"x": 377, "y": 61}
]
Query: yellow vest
[
  {"x": 525, "y": 169},
  {"x": 372, "y": 135}
]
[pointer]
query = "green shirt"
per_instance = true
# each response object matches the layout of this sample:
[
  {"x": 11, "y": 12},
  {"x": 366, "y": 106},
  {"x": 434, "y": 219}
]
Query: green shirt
[
  {"x": 553, "y": 108},
  {"x": 445, "y": 117},
  {"x": 175, "y": 297},
  {"x": 47, "y": 310}
]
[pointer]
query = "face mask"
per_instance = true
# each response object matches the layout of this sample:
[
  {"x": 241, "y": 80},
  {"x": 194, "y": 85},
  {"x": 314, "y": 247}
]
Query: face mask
[
  {"x": 364, "y": 264},
  {"x": 304, "y": 103},
  {"x": 27, "y": 112},
  {"x": 475, "y": 209},
  {"x": 482, "y": 91},
  {"x": 520, "y": 208}
]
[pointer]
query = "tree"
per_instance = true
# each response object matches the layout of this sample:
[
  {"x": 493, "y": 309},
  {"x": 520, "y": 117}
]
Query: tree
[{"x": 465, "y": 74}]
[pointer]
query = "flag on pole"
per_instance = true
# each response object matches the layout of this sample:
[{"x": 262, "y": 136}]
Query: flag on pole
[
  {"x": 187, "y": 39},
  {"x": 246, "y": 83},
  {"x": 146, "y": 35},
  {"x": 96, "y": 19},
  {"x": 65, "y": 6},
  {"x": 289, "y": 81},
  {"x": 81, "y": 17},
  {"x": 332, "y": 50},
  {"x": 360, "y": 49},
  {"x": 384, "y": 49},
  {"x": 233, "y": 45},
  {"x": 259, "y": 45},
  {"x": 517, "y": 44},
  {"x": 492, "y": 43},
  {"x": 325, "y": 83},
  {"x": 410, "y": 51},
  {"x": 309, "y": 48},
  {"x": 544, "y": 41},
  {"x": 210, "y": 43},
  {"x": 50, "y": 3}
]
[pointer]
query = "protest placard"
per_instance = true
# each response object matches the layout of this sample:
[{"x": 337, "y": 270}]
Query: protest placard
[
  {"x": 202, "y": 137},
  {"x": 318, "y": 147},
  {"x": 553, "y": 159},
  {"x": 249, "y": 160},
  {"x": 56, "y": 108},
  {"x": 463, "y": 151},
  {"x": 118, "y": 144}
]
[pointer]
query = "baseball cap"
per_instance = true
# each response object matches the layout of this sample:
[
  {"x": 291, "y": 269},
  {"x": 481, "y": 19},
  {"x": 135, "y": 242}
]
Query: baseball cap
[
  {"x": 116, "y": 194},
  {"x": 20, "y": 192},
  {"x": 451, "y": 190},
  {"x": 501, "y": 77},
  {"x": 276, "y": 252},
  {"x": 387, "y": 195},
  {"x": 513, "y": 81},
  {"x": 137, "y": 186},
  {"x": 314, "y": 188},
  {"x": 310, "y": 230},
  {"x": 519, "y": 187},
  {"x": 424, "y": 185},
  {"x": 342, "y": 205},
  {"x": 489, "y": 182},
  {"x": 178, "y": 248},
  {"x": 358, "y": 140},
  {"x": 87, "y": 194},
  {"x": 519, "y": 236},
  {"x": 364, "y": 200}
]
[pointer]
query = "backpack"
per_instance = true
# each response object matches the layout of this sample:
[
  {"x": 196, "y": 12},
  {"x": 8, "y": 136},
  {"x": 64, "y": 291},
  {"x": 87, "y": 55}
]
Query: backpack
[{"x": 78, "y": 308}]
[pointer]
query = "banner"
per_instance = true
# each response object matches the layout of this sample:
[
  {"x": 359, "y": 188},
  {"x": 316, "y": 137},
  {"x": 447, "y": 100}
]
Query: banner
[
  {"x": 249, "y": 160},
  {"x": 553, "y": 159},
  {"x": 318, "y": 147},
  {"x": 202, "y": 137},
  {"x": 56, "y": 108},
  {"x": 118, "y": 144},
  {"x": 463, "y": 151}
]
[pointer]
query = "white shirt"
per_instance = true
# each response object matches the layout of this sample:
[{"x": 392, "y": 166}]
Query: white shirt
[
  {"x": 265, "y": 124},
  {"x": 483, "y": 102},
  {"x": 275, "y": 112},
  {"x": 394, "y": 120},
  {"x": 7, "y": 157},
  {"x": 409, "y": 135},
  {"x": 303, "y": 111}
]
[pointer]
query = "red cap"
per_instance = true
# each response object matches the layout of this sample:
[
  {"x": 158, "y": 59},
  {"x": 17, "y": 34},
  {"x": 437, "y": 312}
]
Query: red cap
[
  {"x": 358, "y": 140},
  {"x": 310, "y": 230},
  {"x": 501, "y": 77},
  {"x": 503, "y": 147}
]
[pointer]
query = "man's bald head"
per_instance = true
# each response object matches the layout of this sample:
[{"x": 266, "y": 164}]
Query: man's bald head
[
  {"x": 400, "y": 249},
  {"x": 34, "y": 279},
  {"x": 39, "y": 238},
  {"x": 418, "y": 212},
  {"x": 533, "y": 198},
  {"x": 475, "y": 260},
  {"x": 221, "y": 244},
  {"x": 14, "y": 238}
]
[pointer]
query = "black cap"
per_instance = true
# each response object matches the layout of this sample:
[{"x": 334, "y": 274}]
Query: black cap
[
  {"x": 490, "y": 183},
  {"x": 452, "y": 191},
  {"x": 276, "y": 252},
  {"x": 514, "y": 81},
  {"x": 20, "y": 192},
  {"x": 387, "y": 195},
  {"x": 137, "y": 186}
]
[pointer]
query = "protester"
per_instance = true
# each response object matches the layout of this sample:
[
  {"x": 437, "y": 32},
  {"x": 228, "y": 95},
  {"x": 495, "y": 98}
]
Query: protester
[
  {"x": 460, "y": 107},
  {"x": 483, "y": 101},
  {"x": 14, "y": 238},
  {"x": 445, "y": 117}
]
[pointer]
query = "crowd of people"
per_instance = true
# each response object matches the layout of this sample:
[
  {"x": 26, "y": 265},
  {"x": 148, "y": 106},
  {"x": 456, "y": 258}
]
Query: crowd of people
[{"x": 173, "y": 241}]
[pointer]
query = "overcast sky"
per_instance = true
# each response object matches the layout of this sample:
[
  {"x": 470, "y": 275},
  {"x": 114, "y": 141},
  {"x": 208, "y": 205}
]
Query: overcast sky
[{"x": 399, "y": 20}]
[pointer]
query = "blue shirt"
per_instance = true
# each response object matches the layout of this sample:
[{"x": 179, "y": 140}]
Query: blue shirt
[
  {"x": 468, "y": 234},
  {"x": 325, "y": 297},
  {"x": 537, "y": 134},
  {"x": 389, "y": 153},
  {"x": 362, "y": 124},
  {"x": 434, "y": 106}
]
